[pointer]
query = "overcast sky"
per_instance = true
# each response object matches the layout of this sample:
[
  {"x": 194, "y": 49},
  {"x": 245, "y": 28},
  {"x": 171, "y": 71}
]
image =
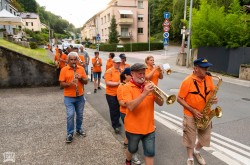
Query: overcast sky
[{"x": 76, "y": 12}]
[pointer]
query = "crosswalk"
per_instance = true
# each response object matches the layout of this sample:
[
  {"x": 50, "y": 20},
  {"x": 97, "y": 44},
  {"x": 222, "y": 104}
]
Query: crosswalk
[{"x": 225, "y": 149}]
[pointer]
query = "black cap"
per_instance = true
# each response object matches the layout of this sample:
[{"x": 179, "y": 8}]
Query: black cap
[
  {"x": 126, "y": 71},
  {"x": 138, "y": 66},
  {"x": 122, "y": 56},
  {"x": 202, "y": 62}
]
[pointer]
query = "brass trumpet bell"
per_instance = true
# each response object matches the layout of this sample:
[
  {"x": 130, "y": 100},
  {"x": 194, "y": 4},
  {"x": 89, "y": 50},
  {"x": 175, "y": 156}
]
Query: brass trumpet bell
[
  {"x": 170, "y": 99},
  {"x": 167, "y": 69}
]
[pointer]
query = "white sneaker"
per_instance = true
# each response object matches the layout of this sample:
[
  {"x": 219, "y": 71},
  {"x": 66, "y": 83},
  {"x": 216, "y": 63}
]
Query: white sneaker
[{"x": 135, "y": 159}]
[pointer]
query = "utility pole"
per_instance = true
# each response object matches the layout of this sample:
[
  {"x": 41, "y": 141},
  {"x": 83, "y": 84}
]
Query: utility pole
[
  {"x": 184, "y": 29},
  {"x": 189, "y": 36}
]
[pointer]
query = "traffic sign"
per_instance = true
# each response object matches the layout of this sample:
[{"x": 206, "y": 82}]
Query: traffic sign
[
  {"x": 166, "y": 14},
  {"x": 165, "y": 34},
  {"x": 166, "y": 28},
  {"x": 166, "y": 23},
  {"x": 165, "y": 41},
  {"x": 98, "y": 38}
]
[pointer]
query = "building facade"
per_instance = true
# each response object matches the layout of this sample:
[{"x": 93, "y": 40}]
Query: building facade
[
  {"x": 131, "y": 18},
  {"x": 31, "y": 21},
  {"x": 6, "y": 4}
]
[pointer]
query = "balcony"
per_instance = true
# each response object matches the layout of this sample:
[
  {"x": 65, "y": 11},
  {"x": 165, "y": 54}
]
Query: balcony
[
  {"x": 125, "y": 21},
  {"x": 124, "y": 35}
]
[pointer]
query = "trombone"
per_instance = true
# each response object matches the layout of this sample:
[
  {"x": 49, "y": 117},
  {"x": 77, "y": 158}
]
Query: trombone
[{"x": 170, "y": 99}]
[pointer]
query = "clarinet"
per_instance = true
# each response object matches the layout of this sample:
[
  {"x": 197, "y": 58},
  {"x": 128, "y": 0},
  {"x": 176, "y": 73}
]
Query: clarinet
[{"x": 74, "y": 66}]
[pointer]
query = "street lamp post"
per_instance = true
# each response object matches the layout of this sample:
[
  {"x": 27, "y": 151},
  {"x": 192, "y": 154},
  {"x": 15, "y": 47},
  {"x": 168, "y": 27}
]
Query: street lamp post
[{"x": 149, "y": 27}]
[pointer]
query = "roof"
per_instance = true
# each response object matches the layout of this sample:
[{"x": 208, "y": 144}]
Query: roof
[
  {"x": 4, "y": 13},
  {"x": 29, "y": 16}
]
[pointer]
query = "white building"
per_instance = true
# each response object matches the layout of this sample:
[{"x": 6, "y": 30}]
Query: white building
[{"x": 31, "y": 21}]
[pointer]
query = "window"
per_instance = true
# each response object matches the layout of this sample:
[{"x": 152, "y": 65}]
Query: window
[
  {"x": 124, "y": 16},
  {"x": 140, "y": 17},
  {"x": 27, "y": 24},
  {"x": 108, "y": 17},
  {"x": 140, "y": 30},
  {"x": 31, "y": 23},
  {"x": 140, "y": 4},
  {"x": 10, "y": 10},
  {"x": 104, "y": 19},
  {"x": 124, "y": 32},
  {"x": 102, "y": 32}
]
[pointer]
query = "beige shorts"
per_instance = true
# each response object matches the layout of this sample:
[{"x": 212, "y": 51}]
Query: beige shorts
[{"x": 190, "y": 132}]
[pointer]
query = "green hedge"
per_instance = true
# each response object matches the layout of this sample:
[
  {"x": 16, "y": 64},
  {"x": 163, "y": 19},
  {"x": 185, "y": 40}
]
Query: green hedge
[{"x": 127, "y": 47}]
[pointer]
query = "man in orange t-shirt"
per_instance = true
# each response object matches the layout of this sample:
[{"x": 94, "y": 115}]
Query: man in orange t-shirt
[
  {"x": 97, "y": 71},
  {"x": 109, "y": 62},
  {"x": 123, "y": 63},
  {"x": 139, "y": 120},
  {"x": 112, "y": 80},
  {"x": 60, "y": 60},
  {"x": 72, "y": 79},
  {"x": 194, "y": 92}
]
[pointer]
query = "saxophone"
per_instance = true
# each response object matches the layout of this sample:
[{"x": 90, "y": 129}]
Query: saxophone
[{"x": 203, "y": 123}]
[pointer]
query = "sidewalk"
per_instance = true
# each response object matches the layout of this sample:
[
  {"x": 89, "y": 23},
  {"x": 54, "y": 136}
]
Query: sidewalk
[{"x": 33, "y": 127}]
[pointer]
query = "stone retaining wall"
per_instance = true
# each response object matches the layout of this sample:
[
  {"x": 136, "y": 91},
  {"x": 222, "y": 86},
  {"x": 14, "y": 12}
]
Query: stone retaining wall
[{"x": 17, "y": 70}]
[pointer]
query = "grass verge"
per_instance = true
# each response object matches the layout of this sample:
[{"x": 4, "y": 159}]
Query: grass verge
[{"x": 39, "y": 54}]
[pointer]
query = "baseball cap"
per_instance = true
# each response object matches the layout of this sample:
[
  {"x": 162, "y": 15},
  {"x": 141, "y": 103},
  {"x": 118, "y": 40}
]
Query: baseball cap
[
  {"x": 126, "y": 71},
  {"x": 138, "y": 66},
  {"x": 116, "y": 59},
  {"x": 122, "y": 56},
  {"x": 202, "y": 62}
]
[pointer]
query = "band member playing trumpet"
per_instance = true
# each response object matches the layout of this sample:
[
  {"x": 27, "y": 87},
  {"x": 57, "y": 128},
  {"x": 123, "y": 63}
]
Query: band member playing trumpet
[
  {"x": 139, "y": 121},
  {"x": 60, "y": 61},
  {"x": 72, "y": 79},
  {"x": 153, "y": 73},
  {"x": 193, "y": 95}
]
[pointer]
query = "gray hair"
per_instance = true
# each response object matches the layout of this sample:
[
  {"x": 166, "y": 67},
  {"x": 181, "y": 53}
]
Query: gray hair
[{"x": 72, "y": 54}]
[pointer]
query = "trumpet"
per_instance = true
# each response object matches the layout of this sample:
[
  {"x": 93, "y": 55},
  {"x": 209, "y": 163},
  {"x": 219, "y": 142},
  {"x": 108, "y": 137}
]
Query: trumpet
[
  {"x": 170, "y": 99},
  {"x": 166, "y": 68}
]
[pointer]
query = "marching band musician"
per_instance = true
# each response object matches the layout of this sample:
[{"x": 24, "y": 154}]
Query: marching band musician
[
  {"x": 123, "y": 63},
  {"x": 139, "y": 121},
  {"x": 81, "y": 59},
  {"x": 153, "y": 73},
  {"x": 194, "y": 92},
  {"x": 72, "y": 79},
  {"x": 60, "y": 61},
  {"x": 97, "y": 71}
]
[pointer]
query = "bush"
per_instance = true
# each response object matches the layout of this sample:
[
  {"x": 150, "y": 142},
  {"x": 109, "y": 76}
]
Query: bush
[
  {"x": 33, "y": 45},
  {"x": 127, "y": 47}
]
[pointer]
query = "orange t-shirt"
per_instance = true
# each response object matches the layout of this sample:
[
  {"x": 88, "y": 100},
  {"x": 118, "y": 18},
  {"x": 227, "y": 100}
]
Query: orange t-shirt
[
  {"x": 195, "y": 100},
  {"x": 63, "y": 57},
  {"x": 155, "y": 76},
  {"x": 57, "y": 50},
  {"x": 113, "y": 75},
  {"x": 67, "y": 75},
  {"x": 82, "y": 58},
  {"x": 120, "y": 97},
  {"x": 109, "y": 64},
  {"x": 122, "y": 67},
  {"x": 141, "y": 119},
  {"x": 97, "y": 67}
]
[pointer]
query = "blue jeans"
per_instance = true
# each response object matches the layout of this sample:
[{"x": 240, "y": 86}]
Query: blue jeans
[
  {"x": 86, "y": 68},
  {"x": 148, "y": 143},
  {"x": 74, "y": 105}
]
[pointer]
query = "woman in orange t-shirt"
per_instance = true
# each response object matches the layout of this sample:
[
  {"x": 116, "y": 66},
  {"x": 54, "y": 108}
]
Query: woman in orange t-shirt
[
  {"x": 97, "y": 71},
  {"x": 153, "y": 73}
]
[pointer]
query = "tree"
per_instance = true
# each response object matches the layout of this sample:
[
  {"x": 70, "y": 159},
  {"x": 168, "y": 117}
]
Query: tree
[
  {"x": 29, "y": 6},
  {"x": 113, "y": 33}
]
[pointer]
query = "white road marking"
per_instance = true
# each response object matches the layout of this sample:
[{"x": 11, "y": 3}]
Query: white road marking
[{"x": 222, "y": 150}]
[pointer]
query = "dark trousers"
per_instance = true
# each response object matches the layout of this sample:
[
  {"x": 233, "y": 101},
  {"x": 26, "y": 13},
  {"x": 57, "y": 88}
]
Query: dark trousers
[{"x": 114, "y": 110}]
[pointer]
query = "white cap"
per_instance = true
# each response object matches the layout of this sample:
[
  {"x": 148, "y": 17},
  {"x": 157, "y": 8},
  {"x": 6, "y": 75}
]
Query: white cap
[{"x": 117, "y": 59}]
